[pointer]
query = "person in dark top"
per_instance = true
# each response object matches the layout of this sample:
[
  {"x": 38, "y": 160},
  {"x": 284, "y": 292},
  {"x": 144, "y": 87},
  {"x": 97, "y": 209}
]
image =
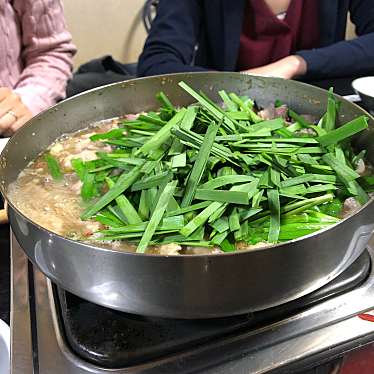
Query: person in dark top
[{"x": 283, "y": 38}]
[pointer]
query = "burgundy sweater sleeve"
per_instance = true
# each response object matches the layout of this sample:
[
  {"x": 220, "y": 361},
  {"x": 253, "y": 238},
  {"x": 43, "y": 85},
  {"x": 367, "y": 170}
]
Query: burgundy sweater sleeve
[{"x": 47, "y": 53}]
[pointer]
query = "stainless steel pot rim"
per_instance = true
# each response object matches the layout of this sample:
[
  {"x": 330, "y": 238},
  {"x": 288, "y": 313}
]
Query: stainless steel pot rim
[{"x": 196, "y": 256}]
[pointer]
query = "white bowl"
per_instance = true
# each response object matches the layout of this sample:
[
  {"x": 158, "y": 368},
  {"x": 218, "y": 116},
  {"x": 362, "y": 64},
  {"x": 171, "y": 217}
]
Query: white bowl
[
  {"x": 4, "y": 348},
  {"x": 365, "y": 88},
  {"x": 3, "y": 142}
]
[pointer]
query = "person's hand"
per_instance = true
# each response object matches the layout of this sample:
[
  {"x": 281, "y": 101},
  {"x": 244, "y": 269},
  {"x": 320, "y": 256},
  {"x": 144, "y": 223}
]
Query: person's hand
[
  {"x": 288, "y": 68},
  {"x": 13, "y": 113}
]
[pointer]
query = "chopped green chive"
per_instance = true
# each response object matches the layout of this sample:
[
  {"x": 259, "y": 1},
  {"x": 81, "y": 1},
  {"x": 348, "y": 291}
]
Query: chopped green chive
[
  {"x": 157, "y": 215},
  {"x": 53, "y": 167}
]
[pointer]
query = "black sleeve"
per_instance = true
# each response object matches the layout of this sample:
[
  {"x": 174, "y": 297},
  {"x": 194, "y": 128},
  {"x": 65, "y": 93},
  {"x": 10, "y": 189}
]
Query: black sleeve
[
  {"x": 171, "y": 42},
  {"x": 346, "y": 58}
]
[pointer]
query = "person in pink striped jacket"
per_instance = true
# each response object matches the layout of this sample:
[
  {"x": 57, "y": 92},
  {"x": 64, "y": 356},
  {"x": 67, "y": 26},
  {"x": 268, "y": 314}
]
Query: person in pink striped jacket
[{"x": 36, "y": 54}]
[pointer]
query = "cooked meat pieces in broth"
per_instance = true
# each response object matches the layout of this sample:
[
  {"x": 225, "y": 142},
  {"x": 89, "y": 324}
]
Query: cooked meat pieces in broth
[{"x": 58, "y": 204}]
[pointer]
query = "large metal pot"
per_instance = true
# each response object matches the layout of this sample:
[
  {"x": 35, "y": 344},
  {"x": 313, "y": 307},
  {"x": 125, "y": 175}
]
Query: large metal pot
[{"x": 200, "y": 286}]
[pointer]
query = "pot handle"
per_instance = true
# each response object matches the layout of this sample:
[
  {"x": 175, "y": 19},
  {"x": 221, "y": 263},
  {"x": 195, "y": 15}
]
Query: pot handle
[{"x": 359, "y": 242}]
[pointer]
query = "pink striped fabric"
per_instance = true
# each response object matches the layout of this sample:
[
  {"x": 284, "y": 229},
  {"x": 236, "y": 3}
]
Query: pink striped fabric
[{"x": 36, "y": 51}]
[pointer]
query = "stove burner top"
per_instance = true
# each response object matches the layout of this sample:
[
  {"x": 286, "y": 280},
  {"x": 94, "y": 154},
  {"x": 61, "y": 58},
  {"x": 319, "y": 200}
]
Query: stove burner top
[{"x": 115, "y": 339}]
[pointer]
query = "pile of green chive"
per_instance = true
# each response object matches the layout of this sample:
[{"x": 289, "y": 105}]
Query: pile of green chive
[{"x": 208, "y": 175}]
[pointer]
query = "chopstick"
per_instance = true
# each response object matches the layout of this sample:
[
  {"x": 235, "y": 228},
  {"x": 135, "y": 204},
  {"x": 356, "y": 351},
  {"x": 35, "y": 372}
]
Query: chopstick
[{"x": 4, "y": 215}]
